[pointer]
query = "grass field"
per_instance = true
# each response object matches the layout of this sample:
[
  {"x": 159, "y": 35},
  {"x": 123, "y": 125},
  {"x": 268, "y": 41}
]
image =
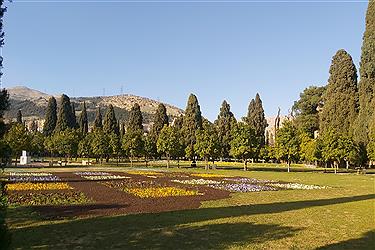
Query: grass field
[{"x": 341, "y": 217}]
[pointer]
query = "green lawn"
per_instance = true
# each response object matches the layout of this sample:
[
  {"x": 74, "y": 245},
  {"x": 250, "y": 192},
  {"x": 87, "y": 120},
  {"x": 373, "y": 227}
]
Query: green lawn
[{"x": 341, "y": 217}]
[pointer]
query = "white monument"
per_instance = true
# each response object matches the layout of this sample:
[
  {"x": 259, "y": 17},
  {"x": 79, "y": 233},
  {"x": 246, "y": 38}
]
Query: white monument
[{"x": 25, "y": 159}]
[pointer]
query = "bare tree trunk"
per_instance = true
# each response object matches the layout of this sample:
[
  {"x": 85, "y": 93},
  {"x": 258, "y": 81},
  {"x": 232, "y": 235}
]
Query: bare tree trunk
[
  {"x": 245, "y": 165},
  {"x": 168, "y": 158},
  {"x": 206, "y": 162},
  {"x": 288, "y": 166}
]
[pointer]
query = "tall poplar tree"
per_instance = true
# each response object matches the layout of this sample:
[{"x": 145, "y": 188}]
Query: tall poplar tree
[
  {"x": 224, "y": 123},
  {"x": 65, "y": 115},
  {"x": 51, "y": 117},
  {"x": 160, "y": 119},
  {"x": 110, "y": 121},
  {"x": 367, "y": 78},
  {"x": 257, "y": 120},
  {"x": 341, "y": 97},
  {"x": 98, "y": 119},
  {"x": 135, "y": 118},
  {"x": 191, "y": 123},
  {"x": 83, "y": 121}
]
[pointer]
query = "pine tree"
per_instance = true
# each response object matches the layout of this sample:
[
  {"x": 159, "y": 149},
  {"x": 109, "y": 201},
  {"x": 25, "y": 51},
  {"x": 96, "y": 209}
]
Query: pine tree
[
  {"x": 74, "y": 118},
  {"x": 341, "y": 97},
  {"x": 110, "y": 121},
  {"x": 256, "y": 119},
  {"x": 98, "y": 119},
  {"x": 51, "y": 117},
  {"x": 224, "y": 123},
  {"x": 135, "y": 118},
  {"x": 83, "y": 121},
  {"x": 160, "y": 119},
  {"x": 191, "y": 123},
  {"x": 367, "y": 82},
  {"x": 65, "y": 115},
  {"x": 19, "y": 117}
]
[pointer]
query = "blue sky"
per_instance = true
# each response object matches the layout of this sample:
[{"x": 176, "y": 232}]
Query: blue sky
[{"x": 217, "y": 50}]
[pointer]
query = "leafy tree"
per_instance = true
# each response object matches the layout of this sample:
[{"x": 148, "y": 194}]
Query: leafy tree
[
  {"x": 84, "y": 146},
  {"x": 83, "y": 121},
  {"x": 243, "y": 142},
  {"x": 192, "y": 121},
  {"x": 256, "y": 120},
  {"x": 100, "y": 144},
  {"x": 110, "y": 122},
  {"x": 133, "y": 143},
  {"x": 168, "y": 142},
  {"x": 65, "y": 118},
  {"x": 306, "y": 109},
  {"x": 341, "y": 97},
  {"x": 18, "y": 139},
  {"x": 309, "y": 150},
  {"x": 371, "y": 144},
  {"x": 287, "y": 143},
  {"x": 64, "y": 143},
  {"x": 135, "y": 118},
  {"x": 37, "y": 143},
  {"x": 51, "y": 117},
  {"x": 207, "y": 143},
  {"x": 150, "y": 149},
  {"x": 178, "y": 122},
  {"x": 5, "y": 153},
  {"x": 98, "y": 119},
  {"x": 19, "y": 117},
  {"x": 115, "y": 145},
  {"x": 367, "y": 79},
  {"x": 224, "y": 123},
  {"x": 74, "y": 118},
  {"x": 4, "y": 95},
  {"x": 160, "y": 119}
]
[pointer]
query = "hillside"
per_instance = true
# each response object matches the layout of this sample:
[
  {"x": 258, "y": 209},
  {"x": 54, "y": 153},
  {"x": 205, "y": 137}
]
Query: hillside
[{"x": 33, "y": 104}]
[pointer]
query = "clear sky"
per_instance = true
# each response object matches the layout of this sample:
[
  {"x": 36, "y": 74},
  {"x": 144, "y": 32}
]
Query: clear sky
[{"x": 165, "y": 51}]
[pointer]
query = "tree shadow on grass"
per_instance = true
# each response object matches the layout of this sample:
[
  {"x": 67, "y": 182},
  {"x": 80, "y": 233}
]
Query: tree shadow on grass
[{"x": 367, "y": 241}]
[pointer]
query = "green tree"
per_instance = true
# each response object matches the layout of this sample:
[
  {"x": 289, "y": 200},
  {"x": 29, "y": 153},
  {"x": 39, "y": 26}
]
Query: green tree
[
  {"x": 341, "y": 97},
  {"x": 192, "y": 121},
  {"x": 168, "y": 142},
  {"x": 115, "y": 145},
  {"x": 309, "y": 150},
  {"x": 84, "y": 146},
  {"x": 243, "y": 143},
  {"x": 66, "y": 142},
  {"x": 110, "y": 122},
  {"x": 51, "y": 117},
  {"x": 160, "y": 119},
  {"x": 207, "y": 143},
  {"x": 150, "y": 149},
  {"x": 287, "y": 143},
  {"x": 65, "y": 118},
  {"x": 257, "y": 121},
  {"x": 135, "y": 118},
  {"x": 224, "y": 123},
  {"x": 367, "y": 78},
  {"x": 18, "y": 139},
  {"x": 19, "y": 117},
  {"x": 100, "y": 144},
  {"x": 37, "y": 143},
  {"x": 133, "y": 143},
  {"x": 83, "y": 121},
  {"x": 98, "y": 124},
  {"x": 74, "y": 118}
]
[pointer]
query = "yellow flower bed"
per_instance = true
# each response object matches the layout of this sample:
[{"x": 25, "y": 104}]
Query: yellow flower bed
[
  {"x": 156, "y": 192},
  {"x": 37, "y": 186},
  {"x": 146, "y": 173},
  {"x": 208, "y": 175}
]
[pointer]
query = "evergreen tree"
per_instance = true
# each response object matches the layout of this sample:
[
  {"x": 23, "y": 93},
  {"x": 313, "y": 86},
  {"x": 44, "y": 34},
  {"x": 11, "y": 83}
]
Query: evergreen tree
[
  {"x": 191, "y": 123},
  {"x": 65, "y": 115},
  {"x": 19, "y": 117},
  {"x": 160, "y": 119},
  {"x": 74, "y": 118},
  {"x": 51, "y": 117},
  {"x": 224, "y": 123},
  {"x": 110, "y": 121},
  {"x": 256, "y": 119},
  {"x": 341, "y": 97},
  {"x": 98, "y": 119},
  {"x": 83, "y": 121},
  {"x": 4, "y": 99},
  {"x": 135, "y": 118},
  {"x": 178, "y": 122},
  {"x": 367, "y": 76}
]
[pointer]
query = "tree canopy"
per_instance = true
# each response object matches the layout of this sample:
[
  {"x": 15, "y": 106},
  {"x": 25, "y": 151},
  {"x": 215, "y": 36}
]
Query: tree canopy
[{"x": 51, "y": 117}]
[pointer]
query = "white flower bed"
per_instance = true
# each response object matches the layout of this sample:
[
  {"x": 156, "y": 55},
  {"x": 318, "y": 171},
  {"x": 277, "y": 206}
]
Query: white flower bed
[
  {"x": 92, "y": 173},
  {"x": 29, "y": 174},
  {"x": 32, "y": 177},
  {"x": 197, "y": 182},
  {"x": 296, "y": 186},
  {"x": 248, "y": 180},
  {"x": 104, "y": 177}
]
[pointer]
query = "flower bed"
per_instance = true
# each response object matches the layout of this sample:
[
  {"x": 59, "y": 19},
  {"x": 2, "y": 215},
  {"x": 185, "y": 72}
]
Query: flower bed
[
  {"x": 49, "y": 178},
  {"x": 37, "y": 186},
  {"x": 248, "y": 180},
  {"x": 208, "y": 175},
  {"x": 91, "y": 173},
  {"x": 145, "y": 173},
  {"x": 197, "y": 182},
  {"x": 29, "y": 174},
  {"x": 104, "y": 177},
  {"x": 243, "y": 187},
  {"x": 61, "y": 198},
  {"x": 157, "y": 192},
  {"x": 295, "y": 186}
]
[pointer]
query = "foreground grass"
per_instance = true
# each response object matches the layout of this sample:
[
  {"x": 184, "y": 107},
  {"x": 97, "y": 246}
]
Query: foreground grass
[{"x": 341, "y": 217}]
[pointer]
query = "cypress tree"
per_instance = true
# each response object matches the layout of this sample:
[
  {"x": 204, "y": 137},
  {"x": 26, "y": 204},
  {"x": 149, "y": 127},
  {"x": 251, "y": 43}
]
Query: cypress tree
[
  {"x": 160, "y": 119},
  {"x": 192, "y": 122},
  {"x": 341, "y": 97},
  {"x": 65, "y": 115},
  {"x": 177, "y": 123},
  {"x": 257, "y": 120},
  {"x": 367, "y": 82},
  {"x": 19, "y": 117},
  {"x": 224, "y": 124},
  {"x": 98, "y": 119},
  {"x": 110, "y": 122},
  {"x": 51, "y": 117},
  {"x": 74, "y": 118},
  {"x": 135, "y": 118},
  {"x": 83, "y": 121}
]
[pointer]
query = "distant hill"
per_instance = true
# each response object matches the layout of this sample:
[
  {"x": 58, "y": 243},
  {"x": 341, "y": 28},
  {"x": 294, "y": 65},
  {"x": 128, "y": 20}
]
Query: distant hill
[{"x": 33, "y": 104}]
